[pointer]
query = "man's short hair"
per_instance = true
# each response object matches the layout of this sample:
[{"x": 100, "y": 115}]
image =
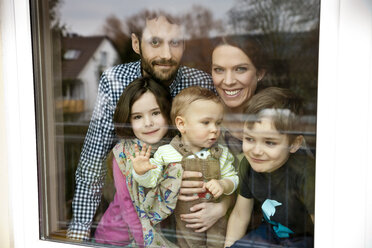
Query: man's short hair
[
  {"x": 189, "y": 95},
  {"x": 138, "y": 27}
]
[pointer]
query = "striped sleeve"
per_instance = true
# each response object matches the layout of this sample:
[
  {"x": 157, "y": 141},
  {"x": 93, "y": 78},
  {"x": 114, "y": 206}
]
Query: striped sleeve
[
  {"x": 150, "y": 178},
  {"x": 163, "y": 156},
  {"x": 227, "y": 167}
]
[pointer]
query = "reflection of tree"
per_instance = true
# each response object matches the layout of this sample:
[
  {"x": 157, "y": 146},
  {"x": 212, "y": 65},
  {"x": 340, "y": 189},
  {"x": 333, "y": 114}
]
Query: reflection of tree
[
  {"x": 54, "y": 6},
  {"x": 272, "y": 17},
  {"x": 266, "y": 16},
  {"x": 198, "y": 23},
  {"x": 289, "y": 31},
  {"x": 116, "y": 31}
]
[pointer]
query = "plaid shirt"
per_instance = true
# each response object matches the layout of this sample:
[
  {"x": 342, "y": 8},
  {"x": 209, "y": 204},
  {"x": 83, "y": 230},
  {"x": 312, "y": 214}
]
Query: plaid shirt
[{"x": 100, "y": 137}]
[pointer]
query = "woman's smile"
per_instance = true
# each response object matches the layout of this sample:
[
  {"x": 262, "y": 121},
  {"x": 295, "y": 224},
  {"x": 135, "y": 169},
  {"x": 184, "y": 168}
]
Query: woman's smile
[{"x": 232, "y": 92}]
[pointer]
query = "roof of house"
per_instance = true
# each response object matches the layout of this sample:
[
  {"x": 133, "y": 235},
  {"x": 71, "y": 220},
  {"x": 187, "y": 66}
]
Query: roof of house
[{"x": 84, "y": 48}]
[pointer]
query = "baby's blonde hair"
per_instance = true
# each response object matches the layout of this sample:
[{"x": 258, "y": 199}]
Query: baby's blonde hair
[{"x": 189, "y": 95}]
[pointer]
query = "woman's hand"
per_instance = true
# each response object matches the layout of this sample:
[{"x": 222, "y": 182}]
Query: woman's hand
[{"x": 204, "y": 215}]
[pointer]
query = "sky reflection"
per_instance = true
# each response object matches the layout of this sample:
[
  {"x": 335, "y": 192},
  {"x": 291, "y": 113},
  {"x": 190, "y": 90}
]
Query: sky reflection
[{"x": 86, "y": 17}]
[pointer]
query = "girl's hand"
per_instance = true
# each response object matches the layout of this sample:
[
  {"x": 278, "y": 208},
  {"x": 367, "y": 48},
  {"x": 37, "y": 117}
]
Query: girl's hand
[
  {"x": 190, "y": 189},
  {"x": 214, "y": 187},
  {"x": 204, "y": 215},
  {"x": 141, "y": 163}
]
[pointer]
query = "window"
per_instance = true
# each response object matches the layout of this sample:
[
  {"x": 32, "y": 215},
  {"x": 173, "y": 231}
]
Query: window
[
  {"x": 71, "y": 54},
  {"x": 287, "y": 58},
  {"x": 57, "y": 180}
]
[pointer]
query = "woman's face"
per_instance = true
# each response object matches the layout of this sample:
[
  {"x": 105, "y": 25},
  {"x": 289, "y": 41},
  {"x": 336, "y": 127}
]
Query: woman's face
[{"x": 234, "y": 75}]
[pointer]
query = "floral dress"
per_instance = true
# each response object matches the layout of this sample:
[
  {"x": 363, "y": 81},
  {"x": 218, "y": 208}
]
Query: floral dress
[{"x": 151, "y": 205}]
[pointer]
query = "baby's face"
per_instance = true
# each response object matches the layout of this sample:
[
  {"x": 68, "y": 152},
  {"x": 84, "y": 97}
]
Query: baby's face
[
  {"x": 201, "y": 124},
  {"x": 264, "y": 147}
]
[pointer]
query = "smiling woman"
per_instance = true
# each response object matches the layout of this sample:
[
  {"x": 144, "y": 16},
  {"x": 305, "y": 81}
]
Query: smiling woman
[{"x": 238, "y": 64}]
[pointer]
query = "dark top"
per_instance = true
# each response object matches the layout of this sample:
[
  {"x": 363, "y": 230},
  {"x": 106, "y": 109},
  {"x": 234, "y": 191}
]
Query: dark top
[{"x": 293, "y": 185}]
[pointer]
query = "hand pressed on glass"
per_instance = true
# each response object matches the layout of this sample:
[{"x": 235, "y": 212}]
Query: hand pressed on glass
[{"x": 140, "y": 160}]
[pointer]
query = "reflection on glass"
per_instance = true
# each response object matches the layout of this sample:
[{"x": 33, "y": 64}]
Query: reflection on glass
[{"x": 74, "y": 45}]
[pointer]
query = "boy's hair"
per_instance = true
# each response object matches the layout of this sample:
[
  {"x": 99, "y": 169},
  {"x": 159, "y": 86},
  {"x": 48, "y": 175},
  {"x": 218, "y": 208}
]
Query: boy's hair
[
  {"x": 189, "y": 95},
  {"x": 131, "y": 94},
  {"x": 282, "y": 106}
]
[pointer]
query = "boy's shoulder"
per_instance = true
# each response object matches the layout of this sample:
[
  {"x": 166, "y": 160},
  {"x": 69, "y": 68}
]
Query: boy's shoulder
[
  {"x": 301, "y": 159},
  {"x": 302, "y": 166}
]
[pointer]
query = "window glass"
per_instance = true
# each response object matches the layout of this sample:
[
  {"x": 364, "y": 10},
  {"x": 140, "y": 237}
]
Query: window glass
[{"x": 237, "y": 49}]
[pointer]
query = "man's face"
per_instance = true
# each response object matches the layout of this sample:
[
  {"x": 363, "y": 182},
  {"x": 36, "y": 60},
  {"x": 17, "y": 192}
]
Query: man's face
[{"x": 161, "y": 49}]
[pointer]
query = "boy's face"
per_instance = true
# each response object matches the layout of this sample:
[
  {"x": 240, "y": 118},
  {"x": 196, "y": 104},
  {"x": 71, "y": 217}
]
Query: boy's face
[
  {"x": 264, "y": 147},
  {"x": 200, "y": 125}
]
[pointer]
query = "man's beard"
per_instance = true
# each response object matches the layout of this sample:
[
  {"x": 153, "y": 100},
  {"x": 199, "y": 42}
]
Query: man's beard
[{"x": 164, "y": 77}]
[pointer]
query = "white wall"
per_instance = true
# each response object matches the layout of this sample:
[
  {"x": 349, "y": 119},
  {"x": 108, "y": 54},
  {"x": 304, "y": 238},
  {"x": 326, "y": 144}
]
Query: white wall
[
  {"x": 5, "y": 228},
  {"x": 344, "y": 135}
]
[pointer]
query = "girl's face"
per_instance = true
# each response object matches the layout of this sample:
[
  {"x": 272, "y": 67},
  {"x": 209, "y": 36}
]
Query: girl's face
[
  {"x": 234, "y": 75},
  {"x": 148, "y": 123}
]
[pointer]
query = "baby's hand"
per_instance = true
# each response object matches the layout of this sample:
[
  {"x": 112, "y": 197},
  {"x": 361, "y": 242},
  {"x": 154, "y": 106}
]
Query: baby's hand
[
  {"x": 214, "y": 187},
  {"x": 141, "y": 163}
]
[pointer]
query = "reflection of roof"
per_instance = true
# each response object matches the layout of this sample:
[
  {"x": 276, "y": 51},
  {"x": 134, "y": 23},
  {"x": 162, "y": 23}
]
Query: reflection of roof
[{"x": 85, "y": 47}]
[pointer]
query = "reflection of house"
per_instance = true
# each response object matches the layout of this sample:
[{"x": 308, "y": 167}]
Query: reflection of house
[{"x": 84, "y": 59}]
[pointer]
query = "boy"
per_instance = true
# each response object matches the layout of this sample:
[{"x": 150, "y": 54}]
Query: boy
[
  {"x": 278, "y": 175},
  {"x": 197, "y": 113}
]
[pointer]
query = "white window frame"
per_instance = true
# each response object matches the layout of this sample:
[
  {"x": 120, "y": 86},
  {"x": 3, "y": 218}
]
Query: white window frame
[{"x": 344, "y": 129}]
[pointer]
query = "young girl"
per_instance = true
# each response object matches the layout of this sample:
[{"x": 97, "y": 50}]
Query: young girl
[{"x": 141, "y": 116}]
